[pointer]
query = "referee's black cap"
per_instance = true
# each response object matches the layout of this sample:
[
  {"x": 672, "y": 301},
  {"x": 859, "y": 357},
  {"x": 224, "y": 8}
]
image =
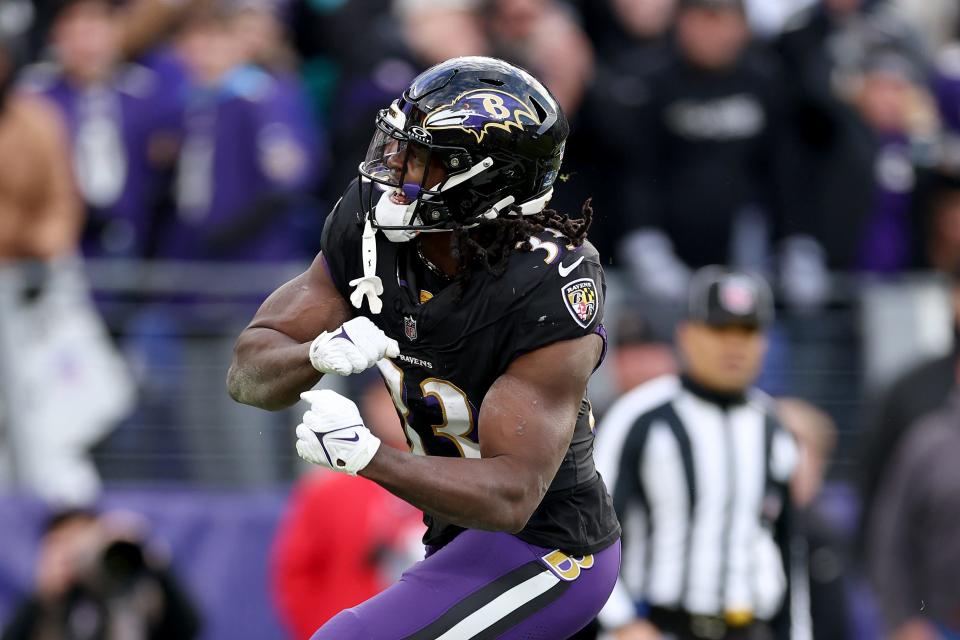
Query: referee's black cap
[{"x": 722, "y": 297}]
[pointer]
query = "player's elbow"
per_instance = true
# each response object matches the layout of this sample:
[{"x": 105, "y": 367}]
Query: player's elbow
[
  {"x": 515, "y": 523},
  {"x": 517, "y": 509},
  {"x": 515, "y": 518},
  {"x": 237, "y": 385},
  {"x": 243, "y": 390},
  {"x": 233, "y": 384},
  {"x": 517, "y": 492}
]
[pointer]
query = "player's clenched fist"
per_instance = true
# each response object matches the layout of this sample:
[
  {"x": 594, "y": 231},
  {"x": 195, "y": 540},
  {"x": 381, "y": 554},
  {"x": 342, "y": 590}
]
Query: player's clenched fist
[
  {"x": 354, "y": 347},
  {"x": 333, "y": 435}
]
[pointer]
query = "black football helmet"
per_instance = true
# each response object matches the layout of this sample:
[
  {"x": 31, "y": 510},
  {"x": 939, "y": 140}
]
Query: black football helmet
[{"x": 492, "y": 133}]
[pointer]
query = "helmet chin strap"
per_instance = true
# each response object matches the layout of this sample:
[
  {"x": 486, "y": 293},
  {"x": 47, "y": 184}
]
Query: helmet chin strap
[
  {"x": 387, "y": 213},
  {"x": 369, "y": 286}
]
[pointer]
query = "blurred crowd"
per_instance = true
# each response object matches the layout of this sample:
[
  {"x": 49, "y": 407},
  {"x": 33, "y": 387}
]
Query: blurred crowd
[
  {"x": 100, "y": 576},
  {"x": 787, "y": 136},
  {"x": 166, "y": 163}
]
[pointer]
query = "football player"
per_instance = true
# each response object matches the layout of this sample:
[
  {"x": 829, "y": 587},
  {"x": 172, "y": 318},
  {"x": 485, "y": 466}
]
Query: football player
[{"x": 482, "y": 310}]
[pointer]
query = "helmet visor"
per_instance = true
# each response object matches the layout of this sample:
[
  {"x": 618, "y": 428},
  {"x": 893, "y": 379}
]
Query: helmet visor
[{"x": 393, "y": 159}]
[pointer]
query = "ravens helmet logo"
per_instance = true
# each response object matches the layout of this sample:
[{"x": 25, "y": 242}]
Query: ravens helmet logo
[{"x": 479, "y": 110}]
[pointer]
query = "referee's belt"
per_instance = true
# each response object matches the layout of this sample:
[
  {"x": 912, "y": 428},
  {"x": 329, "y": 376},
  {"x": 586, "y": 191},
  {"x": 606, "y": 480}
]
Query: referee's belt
[{"x": 708, "y": 627}]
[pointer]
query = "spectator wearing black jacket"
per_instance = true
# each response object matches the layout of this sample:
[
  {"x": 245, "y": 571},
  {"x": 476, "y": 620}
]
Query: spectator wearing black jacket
[
  {"x": 912, "y": 542},
  {"x": 891, "y": 415},
  {"x": 707, "y": 175},
  {"x": 630, "y": 38}
]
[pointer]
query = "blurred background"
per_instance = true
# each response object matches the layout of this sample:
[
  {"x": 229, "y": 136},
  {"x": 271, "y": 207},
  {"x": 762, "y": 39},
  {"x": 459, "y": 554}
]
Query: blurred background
[{"x": 164, "y": 164}]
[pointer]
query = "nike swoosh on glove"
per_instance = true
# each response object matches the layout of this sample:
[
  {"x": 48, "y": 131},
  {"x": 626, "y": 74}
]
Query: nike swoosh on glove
[
  {"x": 354, "y": 347},
  {"x": 333, "y": 435}
]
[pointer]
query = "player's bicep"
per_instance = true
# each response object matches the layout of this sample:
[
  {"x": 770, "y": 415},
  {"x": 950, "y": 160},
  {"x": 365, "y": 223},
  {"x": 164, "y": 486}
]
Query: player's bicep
[
  {"x": 304, "y": 307},
  {"x": 530, "y": 412}
]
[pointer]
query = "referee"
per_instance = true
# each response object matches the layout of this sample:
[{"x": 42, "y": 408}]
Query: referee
[{"x": 698, "y": 465}]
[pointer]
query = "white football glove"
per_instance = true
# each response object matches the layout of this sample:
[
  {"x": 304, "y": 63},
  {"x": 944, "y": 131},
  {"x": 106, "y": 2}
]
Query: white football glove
[
  {"x": 333, "y": 435},
  {"x": 354, "y": 347}
]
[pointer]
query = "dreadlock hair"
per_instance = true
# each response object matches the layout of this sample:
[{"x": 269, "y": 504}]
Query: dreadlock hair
[{"x": 488, "y": 246}]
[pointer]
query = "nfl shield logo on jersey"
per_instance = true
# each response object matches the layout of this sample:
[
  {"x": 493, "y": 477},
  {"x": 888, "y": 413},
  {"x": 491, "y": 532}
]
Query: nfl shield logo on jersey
[
  {"x": 580, "y": 298},
  {"x": 410, "y": 328}
]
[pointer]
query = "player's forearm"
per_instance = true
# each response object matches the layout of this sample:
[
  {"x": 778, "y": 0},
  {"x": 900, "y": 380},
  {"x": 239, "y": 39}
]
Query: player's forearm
[
  {"x": 485, "y": 493},
  {"x": 269, "y": 369}
]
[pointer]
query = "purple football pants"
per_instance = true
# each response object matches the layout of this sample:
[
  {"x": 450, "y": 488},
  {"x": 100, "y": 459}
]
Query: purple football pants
[{"x": 481, "y": 586}]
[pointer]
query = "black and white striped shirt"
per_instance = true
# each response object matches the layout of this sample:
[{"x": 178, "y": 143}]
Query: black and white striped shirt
[{"x": 699, "y": 484}]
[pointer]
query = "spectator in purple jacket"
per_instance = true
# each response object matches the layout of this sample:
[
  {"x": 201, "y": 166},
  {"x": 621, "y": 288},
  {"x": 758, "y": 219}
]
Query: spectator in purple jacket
[
  {"x": 246, "y": 166},
  {"x": 122, "y": 122},
  {"x": 890, "y": 97},
  {"x": 249, "y": 153}
]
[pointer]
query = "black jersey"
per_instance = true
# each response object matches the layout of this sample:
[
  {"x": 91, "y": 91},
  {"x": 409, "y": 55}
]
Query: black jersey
[{"x": 454, "y": 346}]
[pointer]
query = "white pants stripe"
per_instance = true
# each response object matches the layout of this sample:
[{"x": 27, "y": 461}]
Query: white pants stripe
[{"x": 502, "y": 606}]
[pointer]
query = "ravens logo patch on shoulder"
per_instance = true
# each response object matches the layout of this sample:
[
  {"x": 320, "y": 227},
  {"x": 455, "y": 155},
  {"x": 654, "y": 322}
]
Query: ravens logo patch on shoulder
[{"x": 580, "y": 298}]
